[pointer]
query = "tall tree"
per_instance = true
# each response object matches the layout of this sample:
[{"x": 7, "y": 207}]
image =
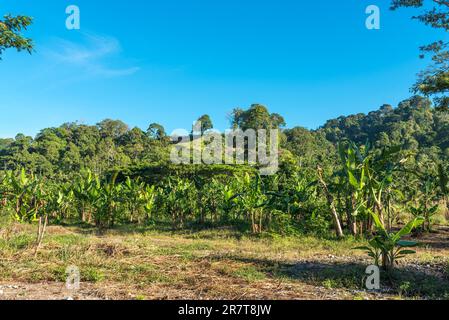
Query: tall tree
[
  {"x": 206, "y": 123},
  {"x": 434, "y": 81},
  {"x": 256, "y": 117},
  {"x": 11, "y": 29},
  {"x": 156, "y": 131},
  {"x": 112, "y": 128}
]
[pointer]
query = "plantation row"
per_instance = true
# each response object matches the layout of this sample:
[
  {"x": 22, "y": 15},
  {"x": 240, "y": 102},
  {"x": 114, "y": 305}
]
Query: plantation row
[
  {"x": 241, "y": 200},
  {"x": 362, "y": 197}
]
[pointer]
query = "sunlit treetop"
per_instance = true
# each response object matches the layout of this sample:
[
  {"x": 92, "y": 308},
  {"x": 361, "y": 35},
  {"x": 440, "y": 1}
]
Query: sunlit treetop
[
  {"x": 434, "y": 81},
  {"x": 11, "y": 29}
]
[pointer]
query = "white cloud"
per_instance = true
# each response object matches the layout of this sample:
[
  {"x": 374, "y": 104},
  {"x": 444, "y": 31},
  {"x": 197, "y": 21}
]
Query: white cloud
[{"x": 91, "y": 55}]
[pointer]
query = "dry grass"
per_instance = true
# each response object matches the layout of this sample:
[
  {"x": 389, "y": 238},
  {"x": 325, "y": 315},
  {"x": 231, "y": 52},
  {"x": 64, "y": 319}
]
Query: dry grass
[{"x": 124, "y": 264}]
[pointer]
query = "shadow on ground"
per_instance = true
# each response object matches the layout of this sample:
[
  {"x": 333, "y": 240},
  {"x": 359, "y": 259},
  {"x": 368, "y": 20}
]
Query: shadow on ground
[{"x": 407, "y": 281}]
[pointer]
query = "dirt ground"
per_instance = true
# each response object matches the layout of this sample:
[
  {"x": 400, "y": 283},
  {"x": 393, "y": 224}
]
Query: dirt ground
[
  {"x": 278, "y": 291},
  {"x": 210, "y": 265}
]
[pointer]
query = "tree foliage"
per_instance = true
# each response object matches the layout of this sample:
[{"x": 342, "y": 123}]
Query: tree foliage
[
  {"x": 434, "y": 81},
  {"x": 11, "y": 29}
]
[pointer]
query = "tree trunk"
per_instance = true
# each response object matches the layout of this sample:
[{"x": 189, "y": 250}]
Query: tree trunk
[
  {"x": 389, "y": 220},
  {"x": 354, "y": 226},
  {"x": 446, "y": 200},
  {"x": 380, "y": 210},
  {"x": 40, "y": 233},
  {"x": 387, "y": 262},
  {"x": 330, "y": 200}
]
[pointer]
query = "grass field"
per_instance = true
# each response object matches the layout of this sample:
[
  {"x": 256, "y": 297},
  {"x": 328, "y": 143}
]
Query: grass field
[{"x": 130, "y": 263}]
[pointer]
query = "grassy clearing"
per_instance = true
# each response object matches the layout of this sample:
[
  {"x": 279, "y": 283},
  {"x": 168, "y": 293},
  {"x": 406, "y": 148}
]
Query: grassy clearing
[{"x": 150, "y": 264}]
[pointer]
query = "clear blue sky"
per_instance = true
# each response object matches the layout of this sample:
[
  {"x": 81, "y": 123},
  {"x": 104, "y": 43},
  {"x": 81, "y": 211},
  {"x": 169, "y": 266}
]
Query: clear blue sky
[{"x": 170, "y": 61}]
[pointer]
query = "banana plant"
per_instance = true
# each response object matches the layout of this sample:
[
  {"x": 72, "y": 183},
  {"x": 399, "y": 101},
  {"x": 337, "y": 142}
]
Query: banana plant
[
  {"x": 133, "y": 192},
  {"x": 148, "y": 199},
  {"x": 387, "y": 248},
  {"x": 180, "y": 200},
  {"x": 254, "y": 201},
  {"x": 59, "y": 200},
  {"x": 356, "y": 167},
  {"x": 427, "y": 213},
  {"x": 426, "y": 200},
  {"x": 370, "y": 182},
  {"x": 209, "y": 197},
  {"x": 106, "y": 200},
  {"x": 218, "y": 200},
  {"x": 26, "y": 195},
  {"x": 100, "y": 200},
  {"x": 295, "y": 193},
  {"x": 82, "y": 192},
  {"x": 443, "y": 182},
  {"x": 4, "y": 186},
  {"x": 229, "y": 202}
]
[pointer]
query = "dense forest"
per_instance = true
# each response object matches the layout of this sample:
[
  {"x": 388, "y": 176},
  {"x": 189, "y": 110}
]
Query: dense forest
[{"x": 414, "y": 125}]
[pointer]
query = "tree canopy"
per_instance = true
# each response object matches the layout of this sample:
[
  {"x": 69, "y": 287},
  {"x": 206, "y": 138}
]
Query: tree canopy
[
  {"x": 434, "y": 81},
  {"x": 206, "y": 123},
  {"x": 11, "y": 29},
  {"x": 256, "y": 117}
]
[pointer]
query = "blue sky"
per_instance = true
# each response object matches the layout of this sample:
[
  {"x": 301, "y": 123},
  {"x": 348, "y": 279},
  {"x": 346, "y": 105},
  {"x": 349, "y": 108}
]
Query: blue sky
[{"x": 170, "y": 61}]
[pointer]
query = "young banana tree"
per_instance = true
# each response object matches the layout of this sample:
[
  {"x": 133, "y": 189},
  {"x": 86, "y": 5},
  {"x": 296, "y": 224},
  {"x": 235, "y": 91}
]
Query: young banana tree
[
  {"x": 370, "y": 182},
  {"x": 106, "y": 202},
  {"x": 148, "y": 199},
  {"x": 82, "y": 192},
  {"x": 356, "y": 166},
  {"x": 100, "y": 200},
  {"x": 180, "y": 200},
  {"x": 218, "y": 199},
  {"x": 443, "y": 182},
  {"x": 427, "y": 213},
  {"x": 228, "y": 205},
  {"x": 133, "y": 192},
  {"x": 294, "y": 195},
  {"x": 254, "y": 201},
  {"x": 426, "y": 194},
  {"x": 25, "y": 194},
  {"x": 58, "y": 201},
  {"x": 386, "y": 248},
  {"x": 209, "y": 197}
]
